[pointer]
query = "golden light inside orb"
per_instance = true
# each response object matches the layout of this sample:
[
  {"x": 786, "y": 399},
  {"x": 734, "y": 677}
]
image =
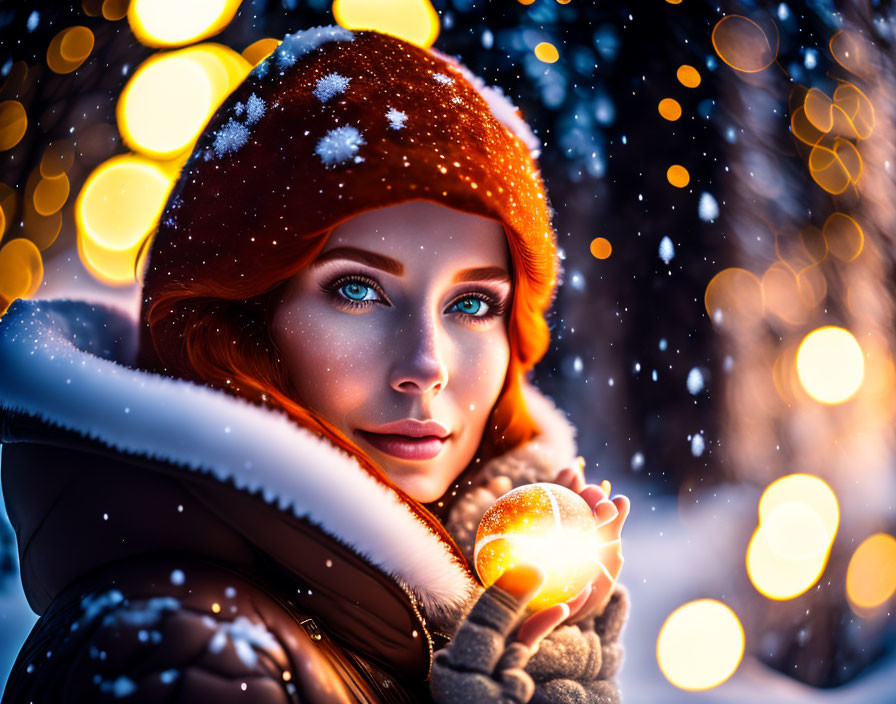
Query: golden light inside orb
[
  {"x": 415, "y": 21},
  {"x": 830, "y": 364},
  {"x": 700, "y": 645},
  {"x": 540, "y": 524},
  {"x": 175, "y": 22},
  {"x": 871, "y": 575}
]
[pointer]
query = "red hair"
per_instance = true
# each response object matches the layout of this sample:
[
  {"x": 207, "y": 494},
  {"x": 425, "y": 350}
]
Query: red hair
[{"x": 227, "y": 342}]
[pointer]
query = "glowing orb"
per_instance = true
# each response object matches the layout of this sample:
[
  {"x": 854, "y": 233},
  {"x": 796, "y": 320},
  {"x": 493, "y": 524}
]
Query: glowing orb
[
  {"x": 542, "y": 524},
  {"x": 415, "y": 21},
  {"x": 700, "y": 645},
  {"x": 830, "y": 364}
]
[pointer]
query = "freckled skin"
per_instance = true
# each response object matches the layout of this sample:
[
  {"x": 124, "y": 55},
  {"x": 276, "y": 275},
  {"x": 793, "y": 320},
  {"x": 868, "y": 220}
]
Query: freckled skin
[{"x": 412, "y": 354}]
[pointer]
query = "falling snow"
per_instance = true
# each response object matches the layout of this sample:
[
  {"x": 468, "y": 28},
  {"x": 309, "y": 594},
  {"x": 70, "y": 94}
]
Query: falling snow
[
  {"x": 33, "y": 21},
  {"x": 396, "y": 118},
  {"x": 301, "y": 43},
  {"x": 339, "y": 145},
  {"x": 244, "y": 635},
  {"x": 695, "y": 382},
  {"x": 697, "y": 445},
  {"x": 708, "y": 208},
  {"x": 230, "y": 138},
  {"x": 667, "y": 250},
  {"x": 330, "y": 85}
]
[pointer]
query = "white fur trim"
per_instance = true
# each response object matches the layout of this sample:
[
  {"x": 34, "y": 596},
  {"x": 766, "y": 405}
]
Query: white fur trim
[{"x": 45, "y": 375}]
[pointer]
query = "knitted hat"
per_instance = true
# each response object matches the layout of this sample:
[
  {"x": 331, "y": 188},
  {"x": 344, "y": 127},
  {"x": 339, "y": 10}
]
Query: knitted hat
[{"x": 332, "y": 124}]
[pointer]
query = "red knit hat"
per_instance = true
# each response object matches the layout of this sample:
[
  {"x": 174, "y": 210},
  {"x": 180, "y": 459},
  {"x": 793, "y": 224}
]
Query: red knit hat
[{"x": 332, "y": 124}]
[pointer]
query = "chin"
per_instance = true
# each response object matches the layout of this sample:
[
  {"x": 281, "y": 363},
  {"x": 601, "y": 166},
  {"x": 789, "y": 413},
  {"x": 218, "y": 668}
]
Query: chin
[{"x": 421, "y": 489}]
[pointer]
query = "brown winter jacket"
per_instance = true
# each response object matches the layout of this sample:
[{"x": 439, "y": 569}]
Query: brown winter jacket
[{"x": 181, "y": 545}]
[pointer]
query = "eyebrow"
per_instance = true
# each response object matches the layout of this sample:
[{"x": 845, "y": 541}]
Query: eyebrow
[{"x": 396, "y": 268}]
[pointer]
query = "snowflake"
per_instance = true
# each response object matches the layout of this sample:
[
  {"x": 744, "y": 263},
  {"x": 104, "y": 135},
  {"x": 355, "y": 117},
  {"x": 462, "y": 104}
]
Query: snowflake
[
  {"x": 396, "y": 118},
  {"x": 261, "y": 70},
  {"x": 245, "y": 637},
  {"x": 443, "y": 79},
  {"x": 697, "y": 445},
  {"x": 301, "y": 43},
  {"x": 230, "y": 137},
  {"x": 330, "y": 85},
  {"x": 708, "y": 208},
  {"x": 254, "y": 109},
  {"x": 238, "y": 109},
  {"x": 339, "y": 145},
  {"x": 695, "y": 382},
  {"x": 667, "y": 250}
]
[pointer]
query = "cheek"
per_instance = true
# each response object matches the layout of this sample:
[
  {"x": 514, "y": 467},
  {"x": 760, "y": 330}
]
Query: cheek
[
  {"x": 481, "y": 372},
  {"x": 329, "y": 355}
]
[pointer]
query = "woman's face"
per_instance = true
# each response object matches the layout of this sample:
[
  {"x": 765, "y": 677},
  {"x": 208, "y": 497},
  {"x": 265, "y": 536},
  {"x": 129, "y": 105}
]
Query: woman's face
[{"x": 397, "y": 335}]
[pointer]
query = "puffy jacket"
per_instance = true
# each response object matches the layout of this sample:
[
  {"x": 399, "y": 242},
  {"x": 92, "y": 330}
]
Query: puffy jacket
[{"x": 183, "y": 545}]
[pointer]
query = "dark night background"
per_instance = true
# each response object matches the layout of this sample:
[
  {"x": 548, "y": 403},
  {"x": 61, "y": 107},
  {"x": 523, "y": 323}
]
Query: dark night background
[{"x": 628, "y": 331}]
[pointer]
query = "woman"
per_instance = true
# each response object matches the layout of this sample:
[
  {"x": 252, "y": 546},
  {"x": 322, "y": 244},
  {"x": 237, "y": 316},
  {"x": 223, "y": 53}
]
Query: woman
[{"x": 357, "y": 306}]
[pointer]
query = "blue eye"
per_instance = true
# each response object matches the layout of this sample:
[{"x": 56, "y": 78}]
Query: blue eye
[
  {"x": 356, "y": 291},
  {"x": 471, "y": 305}
]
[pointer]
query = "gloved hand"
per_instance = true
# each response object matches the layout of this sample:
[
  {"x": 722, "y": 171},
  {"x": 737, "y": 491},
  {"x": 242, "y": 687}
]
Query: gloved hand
[{"x": 479, "y": 666}]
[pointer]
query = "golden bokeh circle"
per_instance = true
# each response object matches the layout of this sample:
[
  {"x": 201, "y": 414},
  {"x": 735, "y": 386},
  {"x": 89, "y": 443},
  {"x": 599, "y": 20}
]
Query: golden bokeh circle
[
  {"x": 678, "y": 176},
  {"x": 547, "y": 52},
  {"x": 669, "y": 109},
  {"x": 871, "y": 575},
  {"x": 688, "y": 76},
  {"x": 13, "y": 123},
  {"x": 742, "y": 44},
  {"x": 601, "y": 248}
]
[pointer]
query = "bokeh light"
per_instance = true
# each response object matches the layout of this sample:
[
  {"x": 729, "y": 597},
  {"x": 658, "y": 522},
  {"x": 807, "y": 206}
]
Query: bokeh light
[
  {"x": 171, "y": 96},
  {"x": 121, "y": 201},
  {"x": 871, "y": 575},
  {"x": 830, "y": 364},
  {"x": 678, "y": 176},
  {"x": 50, "y": 194},
  {"x": 13, "y": 123},
  {"x": 808, "y": 489},
  {"x": 835, "y": 166},
  {"x": 788, "y": 551},
  {"x": 742, "y": 44},
  {"x": 688, "y": 76},
  {"x": 69, "y": 49},
  {"x": 844, "y": 236},
  {"x": 8, "y": 203},
  {"x": 21, "y": 269},
  {"x": 700, "y": 645},
  {"x": 415, "y": 21},
  {"x": 734, "y": 296},
  {"x": 850, "y": 51},
  {"x": 57, "y": 159},
  {"x": 258, "y": 51},
  {"x": 601, "y": 248},
  {"x": 669, "y": 109},
  {"x": 546, "y": 52},
  {"x": 114, "y": 10},
  {"x": 170, "y": 23}
]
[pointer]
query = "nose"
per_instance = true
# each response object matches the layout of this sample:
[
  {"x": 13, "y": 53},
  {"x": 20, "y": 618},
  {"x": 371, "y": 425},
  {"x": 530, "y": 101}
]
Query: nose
[{"x": 419, "y": 358}]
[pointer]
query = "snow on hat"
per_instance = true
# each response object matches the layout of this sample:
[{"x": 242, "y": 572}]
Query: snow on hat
[{"x": 334, "y": 123}]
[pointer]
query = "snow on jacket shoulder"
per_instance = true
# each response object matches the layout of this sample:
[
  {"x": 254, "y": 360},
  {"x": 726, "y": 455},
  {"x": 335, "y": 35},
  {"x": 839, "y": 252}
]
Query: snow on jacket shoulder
[{"x": 119, "y": 483}]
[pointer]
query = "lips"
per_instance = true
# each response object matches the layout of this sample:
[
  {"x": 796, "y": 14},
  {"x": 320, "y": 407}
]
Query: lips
[{"x": 405, "y": 447}]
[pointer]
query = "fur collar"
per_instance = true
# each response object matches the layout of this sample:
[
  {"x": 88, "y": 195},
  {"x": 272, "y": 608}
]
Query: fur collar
[{"x": 56, "y": 354}]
